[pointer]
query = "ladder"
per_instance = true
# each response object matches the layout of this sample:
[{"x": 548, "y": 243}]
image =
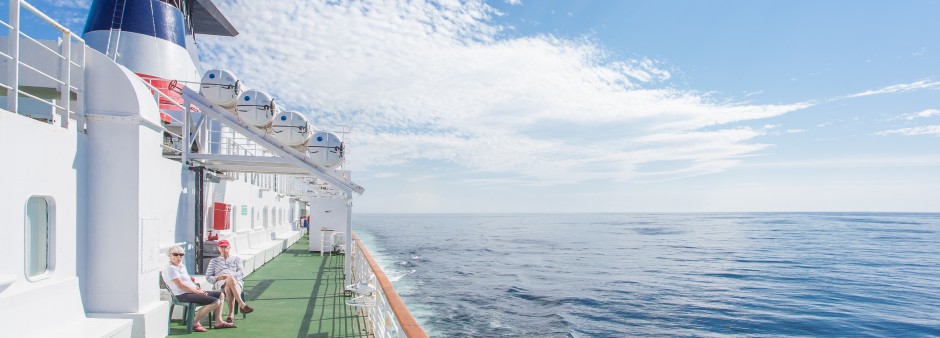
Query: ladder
[{"x": 114, "y": 40}]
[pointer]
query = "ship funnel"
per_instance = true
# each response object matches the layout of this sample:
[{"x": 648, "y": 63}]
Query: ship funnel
[
  {"x": 150, "y": 37},
  {"x": 155, "y": 39}
]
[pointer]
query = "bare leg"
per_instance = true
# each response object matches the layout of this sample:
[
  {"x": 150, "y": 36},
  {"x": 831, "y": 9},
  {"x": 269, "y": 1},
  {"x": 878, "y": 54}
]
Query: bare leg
[
  {"x": 229, "y": 300},
  {"x": 236, "y": 292},
  {"x": 205, "y": 310},
  {"x": 218, "y": 312}
]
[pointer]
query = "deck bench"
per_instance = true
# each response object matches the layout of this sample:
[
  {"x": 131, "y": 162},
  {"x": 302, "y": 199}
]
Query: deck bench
[
  {"x": 286, "y": 234},
  {"x": 253, "y": 259},
  {"x": 258, "y": 241}
]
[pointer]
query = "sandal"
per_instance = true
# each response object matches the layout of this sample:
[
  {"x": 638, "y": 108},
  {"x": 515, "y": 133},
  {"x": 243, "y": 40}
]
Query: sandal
[
  {"x": 247, "y": 309},
  {"x": 198, "y": 327},
  {"x": 224, "y": 325},
  {"x": 230, "y": 319}
]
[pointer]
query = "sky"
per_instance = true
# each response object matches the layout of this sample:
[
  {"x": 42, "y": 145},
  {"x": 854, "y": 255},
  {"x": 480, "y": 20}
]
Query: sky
[{"x": 606, "y": 106}]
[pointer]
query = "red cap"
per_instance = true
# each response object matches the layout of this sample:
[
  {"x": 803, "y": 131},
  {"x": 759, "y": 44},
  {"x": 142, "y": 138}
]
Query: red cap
[{"x": 223, "y": 242}]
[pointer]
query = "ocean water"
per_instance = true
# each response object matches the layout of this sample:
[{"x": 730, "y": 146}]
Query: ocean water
[{"x": 617, "y": 275}]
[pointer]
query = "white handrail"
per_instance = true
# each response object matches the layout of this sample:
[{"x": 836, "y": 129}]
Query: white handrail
[
  {"x": 63, "y": 79},
  {"x": 46, "y": 18}
]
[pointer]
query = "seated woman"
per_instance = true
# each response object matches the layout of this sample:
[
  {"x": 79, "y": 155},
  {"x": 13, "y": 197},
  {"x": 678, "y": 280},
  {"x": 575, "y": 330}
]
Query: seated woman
[
  {"x": 182, "y": 285},
  {"x": 227, "y": 271}
]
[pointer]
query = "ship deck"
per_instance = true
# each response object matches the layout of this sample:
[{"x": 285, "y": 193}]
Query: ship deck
[{"x": 296, "y": 294}]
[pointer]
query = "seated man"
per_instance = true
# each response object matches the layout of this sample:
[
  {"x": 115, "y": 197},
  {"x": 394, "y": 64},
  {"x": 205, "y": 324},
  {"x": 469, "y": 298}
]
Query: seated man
[
  {"x": 227, "y": 271},
  {"x": 183, "y": 287}
]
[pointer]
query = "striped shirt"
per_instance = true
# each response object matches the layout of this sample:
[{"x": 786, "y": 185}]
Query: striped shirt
[{"x": 220, "y": 266}]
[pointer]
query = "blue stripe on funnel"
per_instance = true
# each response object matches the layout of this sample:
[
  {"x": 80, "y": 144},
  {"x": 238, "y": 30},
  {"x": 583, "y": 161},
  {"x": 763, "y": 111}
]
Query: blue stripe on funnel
[{"x": 165, "y": 22}]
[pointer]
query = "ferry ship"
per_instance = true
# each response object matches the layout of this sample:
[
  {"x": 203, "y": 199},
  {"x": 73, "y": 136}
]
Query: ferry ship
[{"x": 119, "y": 145}]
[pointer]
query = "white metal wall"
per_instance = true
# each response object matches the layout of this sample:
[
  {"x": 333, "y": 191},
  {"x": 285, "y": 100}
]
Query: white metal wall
[
  {"x": 326, "y": 213},
  {"x": 41, "y": 160}
]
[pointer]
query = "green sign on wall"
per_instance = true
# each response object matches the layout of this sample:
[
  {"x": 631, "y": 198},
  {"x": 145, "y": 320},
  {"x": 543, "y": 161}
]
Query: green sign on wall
[{"x": 244, "y": 210}]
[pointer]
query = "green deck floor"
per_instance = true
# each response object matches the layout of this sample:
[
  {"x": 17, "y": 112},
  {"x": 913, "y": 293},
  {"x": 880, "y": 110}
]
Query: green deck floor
[{"x": 297, "y": 294}]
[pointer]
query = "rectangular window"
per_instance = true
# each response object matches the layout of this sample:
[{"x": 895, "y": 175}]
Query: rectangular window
[{"x": 38, "y": 232}]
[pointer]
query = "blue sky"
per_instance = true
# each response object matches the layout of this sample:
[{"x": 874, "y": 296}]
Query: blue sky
[{"x": 607, "y": 106}]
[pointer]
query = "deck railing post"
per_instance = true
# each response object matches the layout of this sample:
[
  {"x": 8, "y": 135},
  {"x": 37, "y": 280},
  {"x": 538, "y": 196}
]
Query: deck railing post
[
  {"x": 347, "y": 255},
  {"x": 14, "y": 66},
  {"x": 185, "y": 141},
  {"x": 66, "y": 50},
  {"x": 80, "y": 91}
]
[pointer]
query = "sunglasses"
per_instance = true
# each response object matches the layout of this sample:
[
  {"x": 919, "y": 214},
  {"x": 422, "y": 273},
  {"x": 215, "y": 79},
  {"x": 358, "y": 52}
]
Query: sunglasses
[{"x": 178, "y": 254}]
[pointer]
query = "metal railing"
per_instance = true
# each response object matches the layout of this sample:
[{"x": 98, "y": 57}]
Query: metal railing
[
  {"x": 38, "y": 73},
  {"x": 225, "y": 141},
  {"x": 388, "y": 316},
  {"x": 172, "y": 142}
]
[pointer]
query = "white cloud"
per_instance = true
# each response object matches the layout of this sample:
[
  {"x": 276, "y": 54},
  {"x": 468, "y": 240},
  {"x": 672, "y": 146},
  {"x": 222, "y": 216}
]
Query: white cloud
[
  {"x": 384, "y": 175},
  {"x": 70, "y": 13},
  {"x": 920, "y": 114},
  {"x": 84, "y": 4},
  {"x": 905, "y": 87},
  {"x": 866, "y": 161},
  {"x": 913, "y": 131},
  {"x": 427, "y": 81}
]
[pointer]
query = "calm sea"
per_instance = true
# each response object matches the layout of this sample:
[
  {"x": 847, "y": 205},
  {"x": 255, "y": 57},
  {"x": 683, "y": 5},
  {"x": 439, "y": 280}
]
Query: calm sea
[{"x": 616, "y": 275}]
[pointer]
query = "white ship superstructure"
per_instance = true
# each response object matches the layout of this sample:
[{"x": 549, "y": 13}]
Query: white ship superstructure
[{"x": 113, "y": 156}]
